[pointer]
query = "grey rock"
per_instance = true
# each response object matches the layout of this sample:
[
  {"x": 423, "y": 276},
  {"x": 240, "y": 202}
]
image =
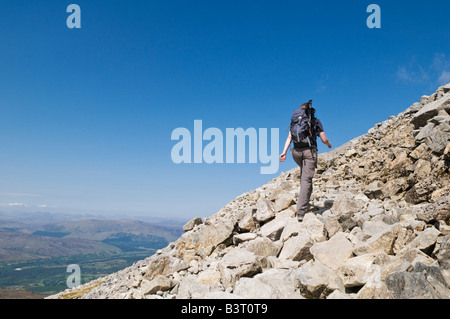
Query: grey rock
[
  {"x": 189, "y": 288},
  {"x": 439, "y": 139},
  {"x": 263, "y": 246},
  {"x": 283, "y": 202},
  {"x": 424, "y": 282},
  {"x": 240, "y": 238},
  {"x": 165, "y": 265},
  {"x": 314, "y": 227},
  {"x": 429, "y": 111},
  {"x": 424, "y": 241},
  {"x": 357, "y": 271},
  {"x": 274, "y": 228},
  {"x": 334, "y": 252},
  {"x": 443, "y": 255},
  {"x": 347, "y": 204},
  {"x": 159, "y": 283},
  {"x": 201, "y": 242},
  {"x": 264, "y": 210},
  {"x": 347, "y": 222},
  {"x": 380, "y": 242},
  {"x": 297, "y": 248},
  {"x": 247, "y": 221},
  {"x": 317, "y": 281},
  {"x": 192, "y": 223},
  {"x": 239, "y": 263},
  {"x": 420, "y": 192},
  {"x": 439, "y": 210},
  {"x": 271, "y": 284}
]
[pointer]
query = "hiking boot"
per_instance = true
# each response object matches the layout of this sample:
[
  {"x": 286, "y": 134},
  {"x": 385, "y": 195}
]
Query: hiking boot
[{"x": 300, "y": 218}]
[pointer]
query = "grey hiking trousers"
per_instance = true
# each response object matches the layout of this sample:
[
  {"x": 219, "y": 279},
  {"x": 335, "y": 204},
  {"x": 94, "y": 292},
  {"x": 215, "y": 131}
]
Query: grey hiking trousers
[{"x": 307, "y": 160}]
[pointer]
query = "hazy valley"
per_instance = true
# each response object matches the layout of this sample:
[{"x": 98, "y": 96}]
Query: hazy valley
[{"x": 36, "y": 248}]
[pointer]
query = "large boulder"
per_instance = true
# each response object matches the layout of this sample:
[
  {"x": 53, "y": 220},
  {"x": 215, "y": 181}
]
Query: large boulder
[
  {"x": 356, "y": 271},
  {"x": 264, "y": 210},
  {"x": 200, "y": 242},
  {"x": 347, "y": 204},
  {"x": 263, "y": 246},
  {"x": 271, "y": 284},
  {"x": 237, "y": 263},
  {"x": 297, "y": 248},
  {"x": 164, "y": 265},
  {"x": 317, "y": 281},
  {"x": 274, "y": 228},
  {"x": 439, "y": 210},
  {"x": 423, "y": 282},
  {"x": 382, "y": 241},
  {"x": 334, "y": 252},
  {"x": 429, "y": 111},
  {"x": 159, "y": 283}
]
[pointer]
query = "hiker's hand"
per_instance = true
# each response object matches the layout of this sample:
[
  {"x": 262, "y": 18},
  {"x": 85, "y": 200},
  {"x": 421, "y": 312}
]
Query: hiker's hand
[
  {"x": 329, "y": 145},
  {"x": 282, "y": 158}
]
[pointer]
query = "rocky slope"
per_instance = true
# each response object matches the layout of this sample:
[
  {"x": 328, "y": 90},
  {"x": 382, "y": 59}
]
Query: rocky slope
[{"x": 379, "y": 227}]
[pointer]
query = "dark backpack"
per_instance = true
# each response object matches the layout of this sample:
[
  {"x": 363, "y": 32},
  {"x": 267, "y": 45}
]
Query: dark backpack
[{"x": 302, "y": 127}]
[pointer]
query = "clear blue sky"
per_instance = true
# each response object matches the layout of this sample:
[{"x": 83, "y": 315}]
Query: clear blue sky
[{"x": 86, "y": 115}]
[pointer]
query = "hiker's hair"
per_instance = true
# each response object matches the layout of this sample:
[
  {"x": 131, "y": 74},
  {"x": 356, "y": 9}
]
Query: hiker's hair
[{"x": 304, "y": 105}]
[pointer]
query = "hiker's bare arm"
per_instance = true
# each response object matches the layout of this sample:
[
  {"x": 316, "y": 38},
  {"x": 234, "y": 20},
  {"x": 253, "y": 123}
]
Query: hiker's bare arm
[
  {"x": 286, "y": 147},
  {"x": 324, "y": 139}
]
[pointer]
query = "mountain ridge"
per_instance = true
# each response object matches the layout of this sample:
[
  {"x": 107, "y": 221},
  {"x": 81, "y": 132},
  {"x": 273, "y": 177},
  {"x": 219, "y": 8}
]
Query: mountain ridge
[
  {"x": 34, "y": 256},
  {"x": 100, "y": 229},
  {"x": 89, "y": 236},
  {"x": 378, "y": 228}
]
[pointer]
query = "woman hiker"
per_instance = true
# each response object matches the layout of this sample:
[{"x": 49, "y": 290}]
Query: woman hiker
[{"x": 305, "y": 155}]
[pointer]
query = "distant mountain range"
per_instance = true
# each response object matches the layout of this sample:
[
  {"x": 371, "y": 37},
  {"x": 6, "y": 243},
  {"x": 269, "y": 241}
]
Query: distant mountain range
[
  {"x": 98, "y": 229},
  {"x": 18, "y": 246},
  {"x": 37, "y": 247},
  {"x": 24, "y": 241}
]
